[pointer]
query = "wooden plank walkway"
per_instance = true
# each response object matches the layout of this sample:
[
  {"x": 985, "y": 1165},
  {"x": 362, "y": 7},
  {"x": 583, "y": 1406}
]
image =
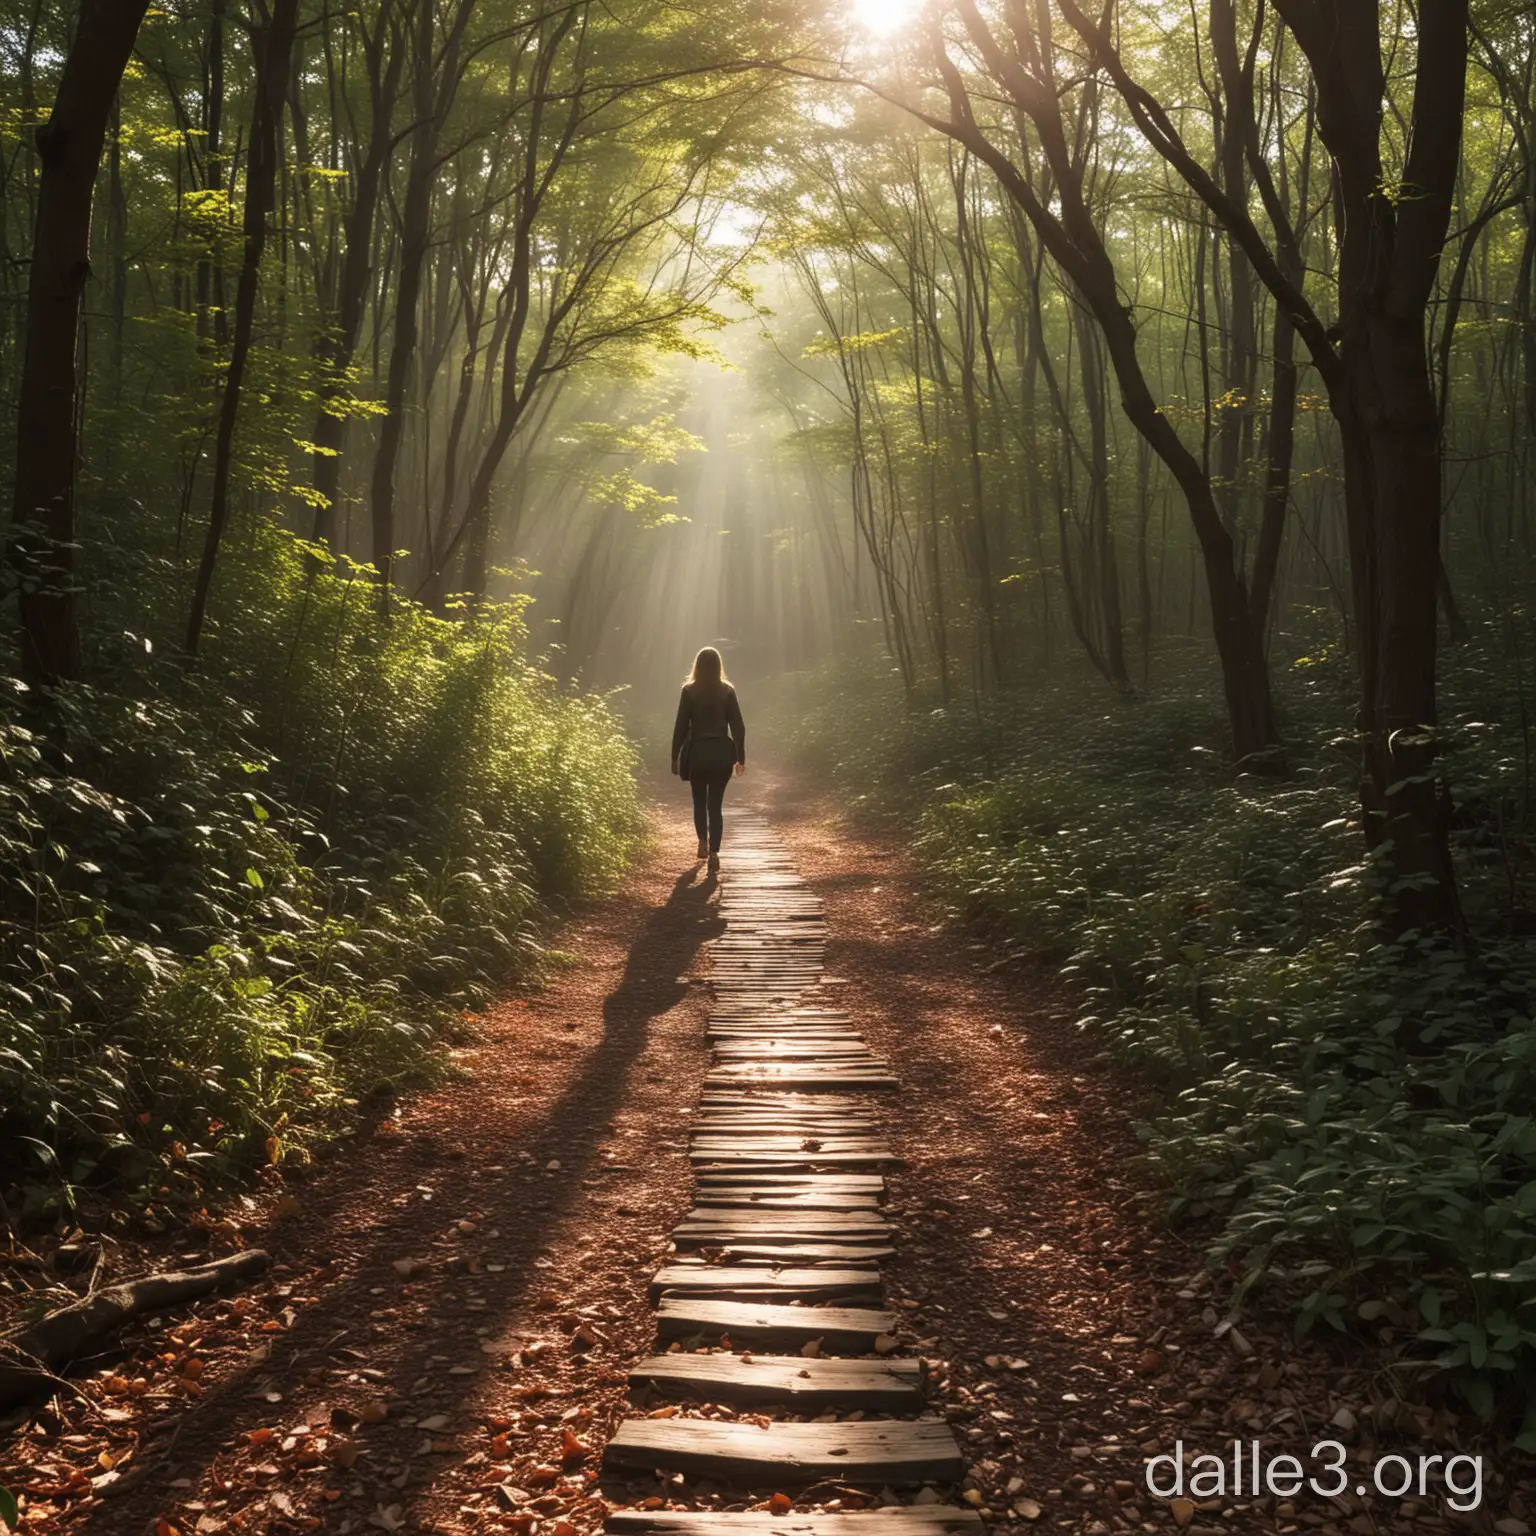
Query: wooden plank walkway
[
  {"x": 781, "y": 1252},
  {"x": 930, "y": 1521}
]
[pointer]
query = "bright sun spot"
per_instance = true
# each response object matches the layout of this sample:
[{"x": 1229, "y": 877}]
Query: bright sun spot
[{"x": 882, "y": 17}]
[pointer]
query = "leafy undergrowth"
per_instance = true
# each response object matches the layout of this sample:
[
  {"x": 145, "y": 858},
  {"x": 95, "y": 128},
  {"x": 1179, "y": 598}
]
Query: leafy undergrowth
[
  {"x": 1355, "y": 1112},
  {"x": 236, "y": 901}
]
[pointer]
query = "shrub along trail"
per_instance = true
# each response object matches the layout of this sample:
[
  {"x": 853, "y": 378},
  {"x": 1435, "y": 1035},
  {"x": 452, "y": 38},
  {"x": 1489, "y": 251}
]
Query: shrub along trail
[{"x": 456, "y": 1297}]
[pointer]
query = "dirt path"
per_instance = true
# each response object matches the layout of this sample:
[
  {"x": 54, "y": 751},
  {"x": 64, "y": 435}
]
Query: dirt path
[{"x": 457, "y": 1297}]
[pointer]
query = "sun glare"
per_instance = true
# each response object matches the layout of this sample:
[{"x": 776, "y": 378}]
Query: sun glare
[{"x": 883, "y": 17}]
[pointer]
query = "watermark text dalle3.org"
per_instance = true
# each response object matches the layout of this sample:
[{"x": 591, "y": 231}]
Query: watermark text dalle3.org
[{"x": 1245, "y": 1470}]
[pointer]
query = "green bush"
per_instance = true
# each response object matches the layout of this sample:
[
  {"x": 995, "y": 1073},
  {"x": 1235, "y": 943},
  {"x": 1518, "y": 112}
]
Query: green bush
[
  {"x": 1356, "y": 1112},
  {"x": 234, "y": 900}
]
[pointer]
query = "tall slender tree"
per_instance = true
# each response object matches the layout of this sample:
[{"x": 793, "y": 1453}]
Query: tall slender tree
[{"x": 69, "y": 146}]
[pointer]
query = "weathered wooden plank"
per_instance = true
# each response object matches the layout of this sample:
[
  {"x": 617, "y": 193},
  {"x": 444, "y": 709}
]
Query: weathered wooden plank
[
  {"x": 729, "y": 1229},
  {"x": 815, "y": 1251},
  {"x": 927, "y": 1520},
  {"x": 799, "y": 1106},
  {"x": 785, "y": 1048},
  {"x": 795, "y": 1075},
  {"x": 804, "y": 1162},
  {"x": 729, "y": 1282},
  {"x": 842, "y": 1053},
  {"x": 804, "y": 1149},
  {"x": 739, "y": 1122},
  {"x": 791, "y": 1142},
  {"x": 790, "y": 1381},
  {"x": 773, "y": 1025},
  {"x": 734, "y": 1028},
  {"x": 734, "y": 1040},
  {"x": 706, "y": 1215},
  {"x": 767, "y": 957},
  {"x": 800, "y": 1129},
  {"x": 869, "y": 1184},
  {"x": 868, "y": 1453},
  {"x": 721, "y": 1196},
  {"x": 752, "y": 1146},
  {"x": 789, "y": 1075},
  {"x": 826, "y": 1128},
  {"x": 781, "y": 1098}
]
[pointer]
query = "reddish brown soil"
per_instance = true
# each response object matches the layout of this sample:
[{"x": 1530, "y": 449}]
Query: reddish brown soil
[{"x": 1074, "y": 1335}]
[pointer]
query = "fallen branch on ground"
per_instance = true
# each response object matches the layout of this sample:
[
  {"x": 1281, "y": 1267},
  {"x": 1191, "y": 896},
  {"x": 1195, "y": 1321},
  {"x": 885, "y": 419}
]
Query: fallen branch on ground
[{"x": 34, "y": 1355}]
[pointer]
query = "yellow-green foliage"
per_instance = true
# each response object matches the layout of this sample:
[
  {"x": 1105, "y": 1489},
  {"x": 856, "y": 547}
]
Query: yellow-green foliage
[{"x": 251, "y": 895}]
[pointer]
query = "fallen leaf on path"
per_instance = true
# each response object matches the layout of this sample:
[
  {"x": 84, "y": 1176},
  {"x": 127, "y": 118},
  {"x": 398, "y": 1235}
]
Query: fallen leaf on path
[
  {"x": 780, "y": 1504},
  {"x": 1027, "y": 1509},
  {"x": 811, "y": 1349},
  {"x": 885, "y": 1344},
  {"x": 1183, "y": 1511},
  {"x": 571, "y": 1449},
  {"x": 374, "y": 1411}
]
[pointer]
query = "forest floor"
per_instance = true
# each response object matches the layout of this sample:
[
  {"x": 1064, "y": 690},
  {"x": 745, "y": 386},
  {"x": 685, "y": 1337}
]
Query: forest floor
[{"x": 442, "y": 1340}]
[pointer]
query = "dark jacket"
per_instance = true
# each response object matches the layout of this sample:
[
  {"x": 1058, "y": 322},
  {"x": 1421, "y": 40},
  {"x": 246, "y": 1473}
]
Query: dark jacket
[{"x": 705, "y": 712}]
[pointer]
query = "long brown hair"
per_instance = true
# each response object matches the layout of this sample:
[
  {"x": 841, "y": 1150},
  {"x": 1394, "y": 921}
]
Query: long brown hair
[{"x": 709, "y": 671}]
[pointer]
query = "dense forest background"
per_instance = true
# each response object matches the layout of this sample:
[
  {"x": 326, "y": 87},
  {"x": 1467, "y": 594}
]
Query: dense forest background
[{"x": 1108, "y": 435}]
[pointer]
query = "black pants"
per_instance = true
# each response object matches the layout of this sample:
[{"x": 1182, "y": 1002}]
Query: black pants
[{"x": 709, "y": 805}]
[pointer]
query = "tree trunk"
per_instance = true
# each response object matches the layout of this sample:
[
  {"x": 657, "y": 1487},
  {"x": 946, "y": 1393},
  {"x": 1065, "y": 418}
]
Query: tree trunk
[
  {"x": 69, "y": 145},
  {"x": 210, "y": 298},
  {"x": 1105, "y": 565},
  {"x": 414, "y": 231},
  {"x": 1406, "y": 803},
  {"x": 340, "y": 341},
  {"x": 1388, "y": 417},
  {"x": 272, "y": 49}
]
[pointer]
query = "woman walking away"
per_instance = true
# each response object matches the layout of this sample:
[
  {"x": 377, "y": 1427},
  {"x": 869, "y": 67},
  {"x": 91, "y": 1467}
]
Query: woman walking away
[{"x": 708, "y": 743}]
